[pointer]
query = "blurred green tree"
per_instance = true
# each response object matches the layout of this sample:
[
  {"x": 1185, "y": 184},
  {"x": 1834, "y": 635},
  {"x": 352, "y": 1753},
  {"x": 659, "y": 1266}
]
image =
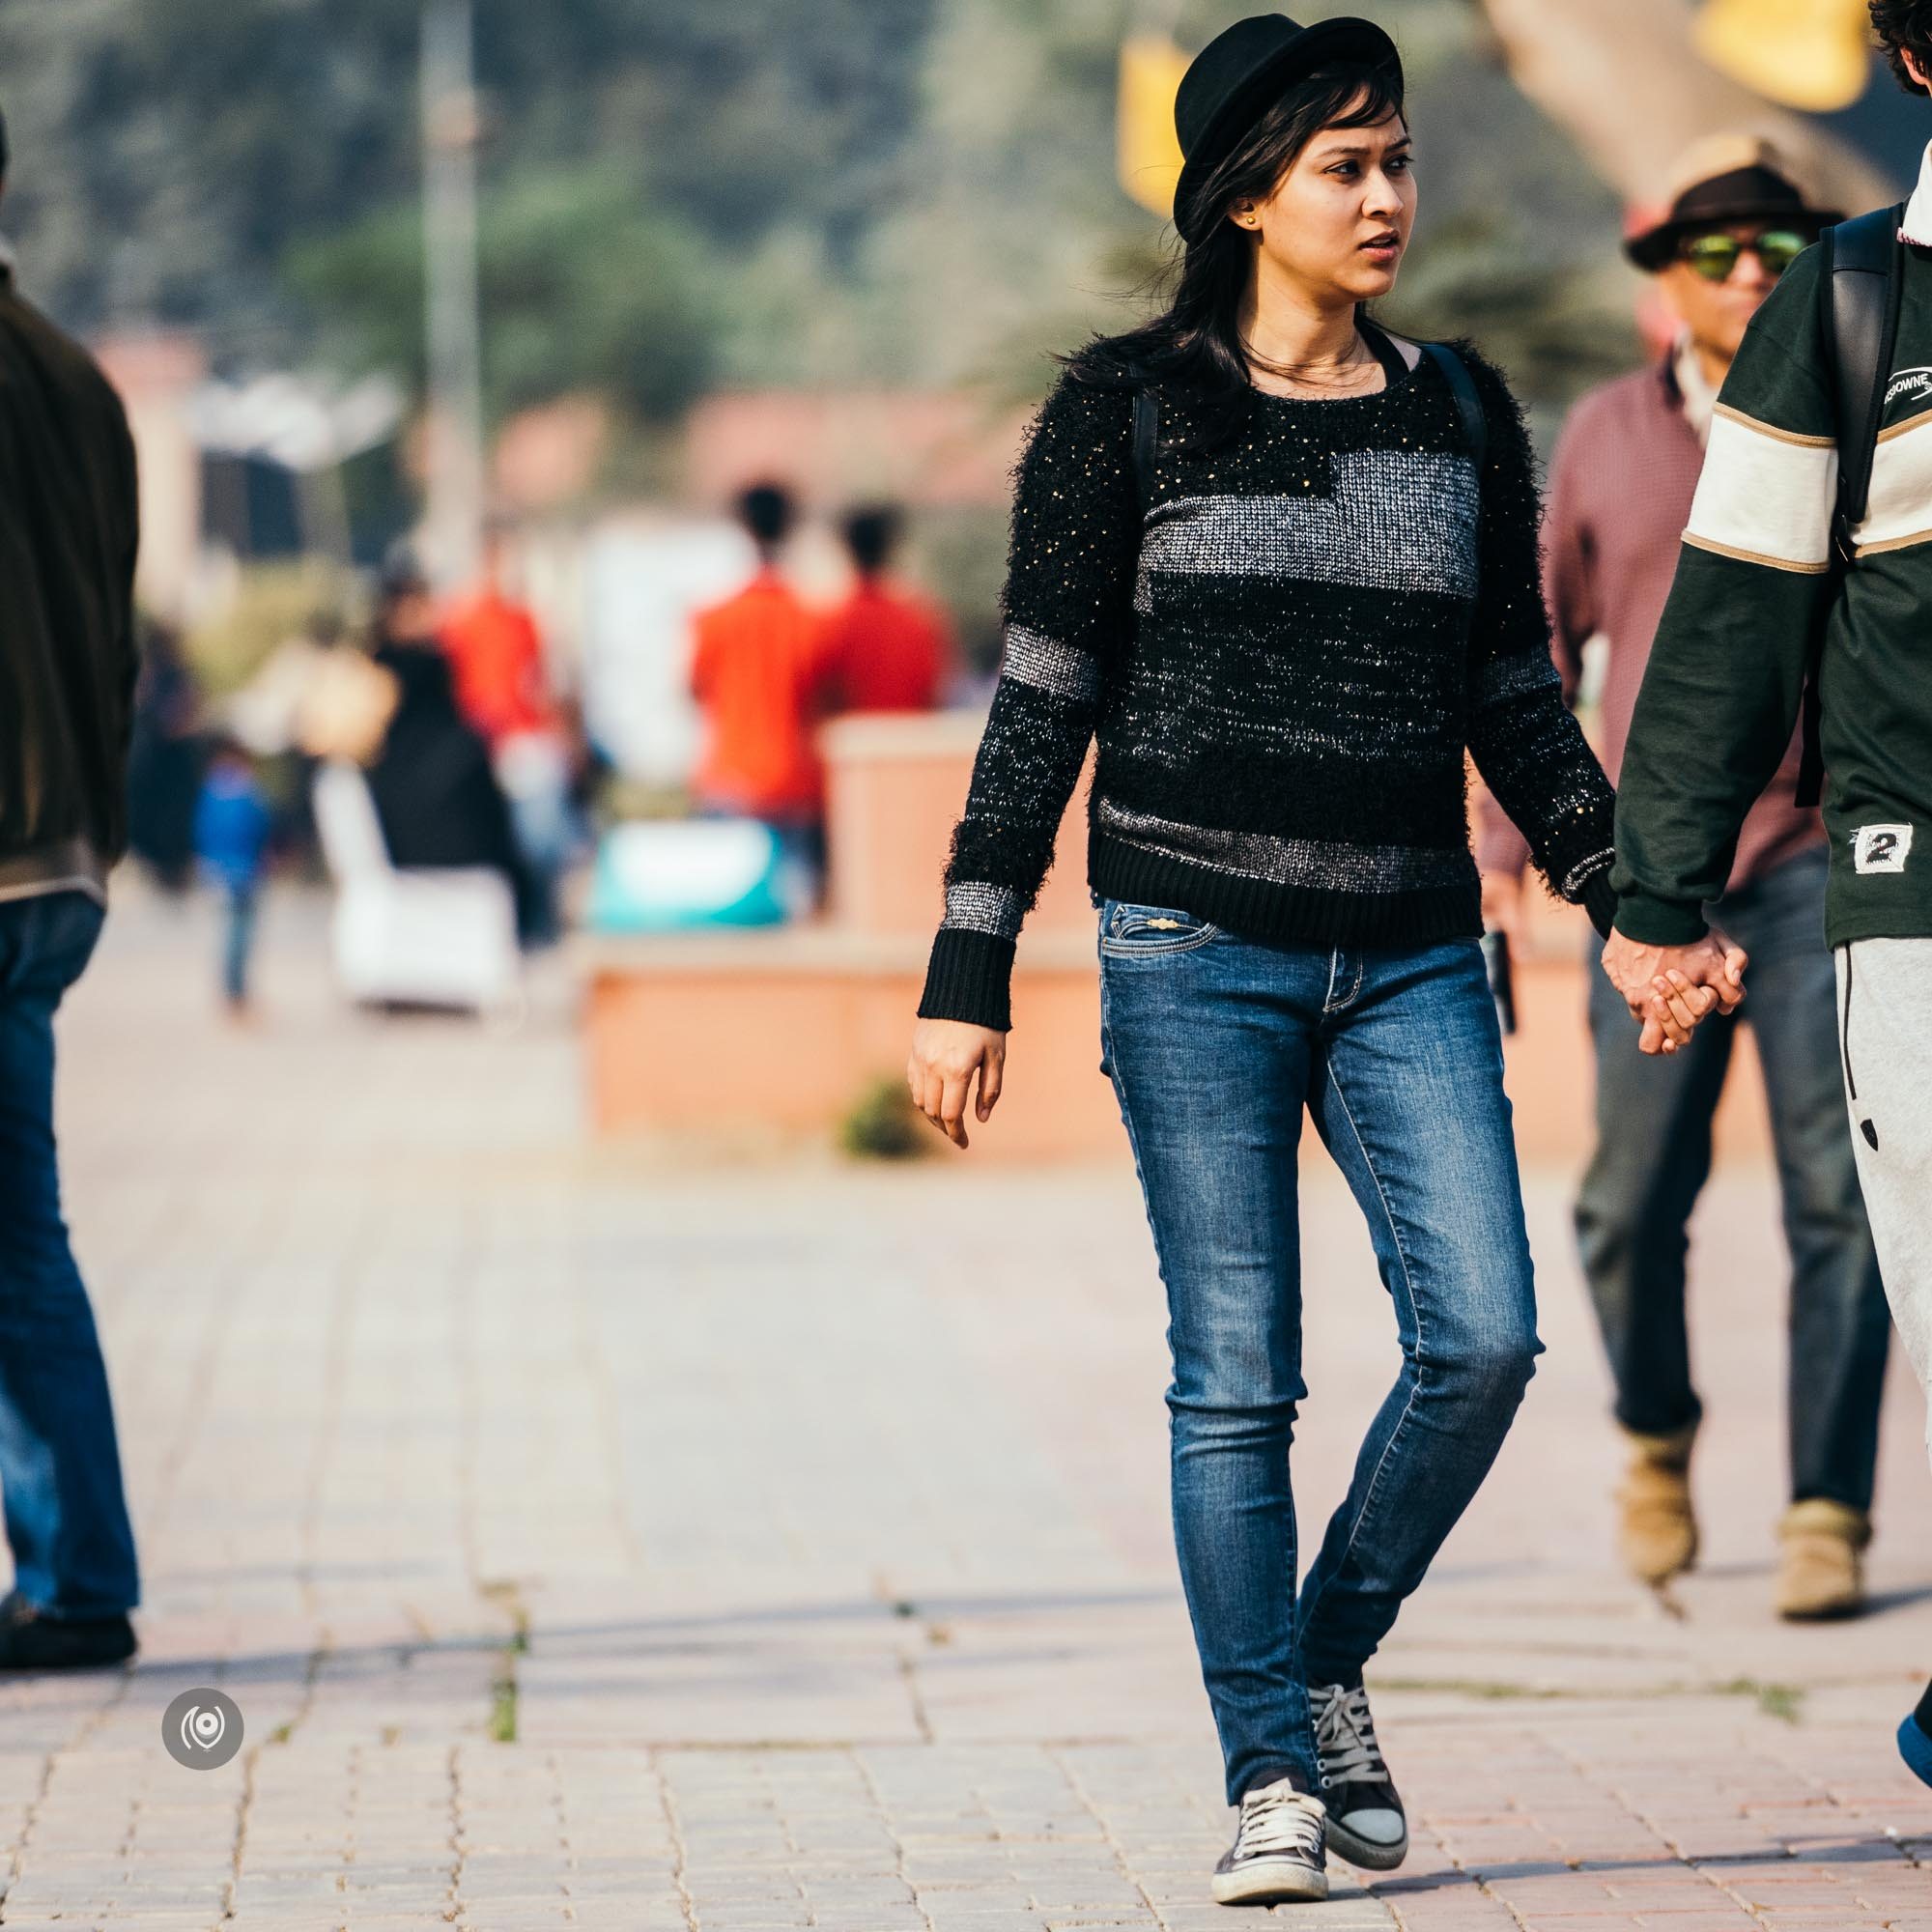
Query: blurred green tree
[
  {"x": 172, "y": 155},
  {"x": 584, "y": 290},
  {"x": 745, "y": 191}
]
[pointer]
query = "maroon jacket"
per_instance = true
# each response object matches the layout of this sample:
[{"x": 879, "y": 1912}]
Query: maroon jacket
[{"x": 1620, "y": 488}]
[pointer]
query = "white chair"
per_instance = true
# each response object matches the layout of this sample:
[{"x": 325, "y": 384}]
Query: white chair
[{"x": 420, "y": 936}]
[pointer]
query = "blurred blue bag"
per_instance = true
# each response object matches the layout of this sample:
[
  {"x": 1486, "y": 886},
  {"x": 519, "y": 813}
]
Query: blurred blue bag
[{"x": 675, "y": 877}]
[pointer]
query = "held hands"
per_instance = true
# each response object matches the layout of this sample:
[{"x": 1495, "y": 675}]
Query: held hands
[
  {"x": 1669, "y": 989},
  {"x": 946, "y": 1055}
]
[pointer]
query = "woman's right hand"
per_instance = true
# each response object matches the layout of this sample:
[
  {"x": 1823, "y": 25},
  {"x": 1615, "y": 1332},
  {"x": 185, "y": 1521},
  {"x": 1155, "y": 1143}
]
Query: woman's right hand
[{"x": 946, "y": 1054}]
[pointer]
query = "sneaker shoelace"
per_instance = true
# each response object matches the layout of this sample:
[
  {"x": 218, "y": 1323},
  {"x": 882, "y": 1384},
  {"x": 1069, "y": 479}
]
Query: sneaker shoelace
[
  {"x": 1280, "y": 1822},
  {"x": 1345, "y": 1735}
]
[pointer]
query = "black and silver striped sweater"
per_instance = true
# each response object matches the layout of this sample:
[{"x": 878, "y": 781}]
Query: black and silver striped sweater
[{"x": 1285, "y": 656}]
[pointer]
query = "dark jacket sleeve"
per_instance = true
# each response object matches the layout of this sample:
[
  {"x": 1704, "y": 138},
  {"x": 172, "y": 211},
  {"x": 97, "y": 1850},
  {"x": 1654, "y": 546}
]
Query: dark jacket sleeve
[
  {"x": 68, "y": 647},
  {"x": 1067, "y": 605},
  {"x": 1527, "y": 746},
  {"x": 1726, "y": 677}
]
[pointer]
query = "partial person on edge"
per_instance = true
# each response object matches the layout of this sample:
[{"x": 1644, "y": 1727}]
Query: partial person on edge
[
  {"x": 68, "y": 664},
  {"x": 1621, "y": 485},
  {"x": 1290, "y": 915},
  {"x": 1756, "y": 595}
]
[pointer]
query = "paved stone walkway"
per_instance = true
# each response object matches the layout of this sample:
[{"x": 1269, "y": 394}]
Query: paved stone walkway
[{"x": 617, "y": 1540}]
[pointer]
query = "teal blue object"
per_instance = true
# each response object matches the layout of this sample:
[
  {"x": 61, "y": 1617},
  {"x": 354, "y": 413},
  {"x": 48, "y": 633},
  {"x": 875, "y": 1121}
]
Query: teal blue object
[
  {"x": 1916, "y": 1749},
  {"x": 674, "y": 877}
]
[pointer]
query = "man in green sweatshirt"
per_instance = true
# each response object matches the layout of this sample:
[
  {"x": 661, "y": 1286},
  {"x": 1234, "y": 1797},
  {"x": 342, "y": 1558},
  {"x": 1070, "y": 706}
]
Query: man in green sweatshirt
[{"x": 1723, "y": 693}]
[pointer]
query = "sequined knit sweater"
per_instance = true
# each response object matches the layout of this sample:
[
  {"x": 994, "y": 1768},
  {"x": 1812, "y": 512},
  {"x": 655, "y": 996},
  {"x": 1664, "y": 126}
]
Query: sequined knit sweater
[{"x": 1285, "y": 653}]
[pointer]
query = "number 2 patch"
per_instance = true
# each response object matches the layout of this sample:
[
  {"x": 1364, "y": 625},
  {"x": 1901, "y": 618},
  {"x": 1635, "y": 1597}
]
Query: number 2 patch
[{"x": 1881, "y": 848}]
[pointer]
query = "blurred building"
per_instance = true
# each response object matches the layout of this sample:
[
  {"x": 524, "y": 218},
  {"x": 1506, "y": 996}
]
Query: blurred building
[
  {"x": 278, "y": 467},
  {"x": 926, "y": 448}
]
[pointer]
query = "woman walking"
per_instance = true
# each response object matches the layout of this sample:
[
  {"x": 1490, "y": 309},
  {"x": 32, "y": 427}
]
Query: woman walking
[{"x": 1285, "y": 566}]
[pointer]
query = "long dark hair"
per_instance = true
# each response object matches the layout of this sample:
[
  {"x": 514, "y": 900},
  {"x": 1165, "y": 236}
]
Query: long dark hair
[{"x": 1197, "y": 341}]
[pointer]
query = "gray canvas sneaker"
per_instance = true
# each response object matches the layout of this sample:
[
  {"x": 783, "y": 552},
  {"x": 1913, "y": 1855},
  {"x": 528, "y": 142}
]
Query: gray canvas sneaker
[
  {"x": 1366, "y": 1824},
  {"x": 1277, "y": 1854}
]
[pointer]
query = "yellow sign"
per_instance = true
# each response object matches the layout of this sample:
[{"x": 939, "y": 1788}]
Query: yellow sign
[
  {"x": 1149, "y": 150},
  {"x": 1810, "y": 54}
]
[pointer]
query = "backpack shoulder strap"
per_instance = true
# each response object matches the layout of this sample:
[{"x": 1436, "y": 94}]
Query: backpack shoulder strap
[
  {"x": 1146, "y": 440},
  {"x": 1863, "y": 261},
  {"x": 1462, "y": 386},
  {"x": 1863, "y": 285}
]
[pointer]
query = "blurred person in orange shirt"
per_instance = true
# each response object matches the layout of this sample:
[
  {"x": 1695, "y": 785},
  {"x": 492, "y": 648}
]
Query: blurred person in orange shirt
[
  {"x": 887, "y": 647},
  {"x": 502, "y": 685},
  {"x": 759, "y": 672}
]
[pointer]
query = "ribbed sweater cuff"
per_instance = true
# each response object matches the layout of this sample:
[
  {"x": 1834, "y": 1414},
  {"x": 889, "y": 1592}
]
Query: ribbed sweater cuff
[
  {"x": 1599, "y": 901},
  {"x": 968, "y": 978},
  {"x": 1655, "y": 922}
]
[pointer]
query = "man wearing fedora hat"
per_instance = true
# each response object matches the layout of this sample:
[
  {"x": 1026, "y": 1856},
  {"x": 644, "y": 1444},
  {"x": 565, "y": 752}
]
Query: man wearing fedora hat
[
  {"x": 1621, "y": 487},
  {"x": 1807, "y": 566}
]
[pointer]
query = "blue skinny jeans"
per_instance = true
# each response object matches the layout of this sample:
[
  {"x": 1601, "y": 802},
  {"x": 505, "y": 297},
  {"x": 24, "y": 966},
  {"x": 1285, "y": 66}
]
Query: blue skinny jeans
[{"x": 1215, "y": 1045}]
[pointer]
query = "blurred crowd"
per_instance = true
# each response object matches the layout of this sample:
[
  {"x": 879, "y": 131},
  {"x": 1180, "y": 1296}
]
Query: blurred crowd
[
  {"x": 473, "y": 750},
  {"x": 471, "y": 756},
  {"x": 768, "y": 668}
]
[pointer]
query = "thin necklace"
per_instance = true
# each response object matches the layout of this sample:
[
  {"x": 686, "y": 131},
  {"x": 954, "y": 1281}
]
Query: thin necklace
[{"x": 1348, "y": 379}]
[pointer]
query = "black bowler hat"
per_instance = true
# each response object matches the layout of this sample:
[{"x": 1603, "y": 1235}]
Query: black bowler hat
[
  {"x": 1239, "y": 74},
  {"x": 1727, "y": 178}
]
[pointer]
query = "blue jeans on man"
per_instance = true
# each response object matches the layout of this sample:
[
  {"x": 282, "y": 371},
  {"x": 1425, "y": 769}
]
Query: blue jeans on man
[
  {"x": 60, "y": 1466},
  {"x": 1215, "y": 1045},
  {"x": 1653, "y": 1156}
]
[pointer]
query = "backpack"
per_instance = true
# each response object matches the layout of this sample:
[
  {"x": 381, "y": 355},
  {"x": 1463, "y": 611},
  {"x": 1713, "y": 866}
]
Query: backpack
[
  {"x": 1455, "y": 372},
  {"x": 1865, "y": 282}
]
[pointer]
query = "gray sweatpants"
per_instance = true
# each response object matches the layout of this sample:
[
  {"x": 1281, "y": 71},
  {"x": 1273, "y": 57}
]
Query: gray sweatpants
[{"x": 1884, "y": 1008}]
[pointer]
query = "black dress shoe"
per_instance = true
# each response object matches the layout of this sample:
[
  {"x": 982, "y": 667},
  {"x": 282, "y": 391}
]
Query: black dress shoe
[{"x": 30, "y": 1640}]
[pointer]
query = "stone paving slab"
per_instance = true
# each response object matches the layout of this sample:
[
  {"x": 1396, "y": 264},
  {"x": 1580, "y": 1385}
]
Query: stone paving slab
[{"x": 609, "y": 1540}]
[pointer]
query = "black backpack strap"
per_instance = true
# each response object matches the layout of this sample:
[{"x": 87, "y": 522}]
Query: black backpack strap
[
  {"x": 1462, "y": 386},
  {"x": 1864, "y": 284},
  {"x": 1863, "y": 257},
  {"x": 1146, "y": 440},
  {"x": 1468, "y": 405}
]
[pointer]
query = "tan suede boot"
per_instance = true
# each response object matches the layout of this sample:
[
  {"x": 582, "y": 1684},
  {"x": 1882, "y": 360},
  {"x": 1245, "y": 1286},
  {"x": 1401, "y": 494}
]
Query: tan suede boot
[
  {"x": 1657, "y": 1532},
  {"x": 1822, "y": 1574}
]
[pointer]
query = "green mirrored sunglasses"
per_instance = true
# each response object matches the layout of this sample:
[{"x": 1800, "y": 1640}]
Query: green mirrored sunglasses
[{"x": 1715, "y": 257}]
